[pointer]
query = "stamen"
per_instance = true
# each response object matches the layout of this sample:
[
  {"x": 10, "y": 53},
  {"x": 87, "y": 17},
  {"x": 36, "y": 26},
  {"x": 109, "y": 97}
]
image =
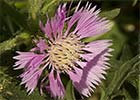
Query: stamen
[{"x": 64, "y": 52}]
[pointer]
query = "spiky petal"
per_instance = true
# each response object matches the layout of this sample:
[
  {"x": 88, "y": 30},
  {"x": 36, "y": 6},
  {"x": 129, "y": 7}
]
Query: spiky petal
[{"x": 31, "y": 63}]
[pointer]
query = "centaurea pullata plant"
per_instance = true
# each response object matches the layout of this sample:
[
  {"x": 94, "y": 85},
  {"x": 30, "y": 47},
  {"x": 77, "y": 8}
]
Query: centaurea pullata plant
[{"x": 64, "y": 52}]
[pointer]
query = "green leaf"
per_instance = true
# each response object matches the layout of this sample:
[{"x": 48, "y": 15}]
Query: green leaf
[
  {"x": 49, "y": 7},
  {"x": 110, "y": 14},
  {"x": 10, "y": 88},
  {"x": 34, "y": 8},
  {"x": 127, "y": 95},
  {"x": 20, "y": 4},
  {"x": 70, "y": 92},
  {"x": 119, "y": 77},
  {"x": 126, "y": 54},
  {"x": 11, "y": 43},
  {"x": 123, "y": 93},
  {"x": 14, "y": 92},
  {"x": 134, "y": 2}
]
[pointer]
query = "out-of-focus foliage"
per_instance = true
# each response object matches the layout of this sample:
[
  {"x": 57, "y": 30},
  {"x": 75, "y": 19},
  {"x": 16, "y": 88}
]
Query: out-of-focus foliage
[{"x": 19, "y": 24}]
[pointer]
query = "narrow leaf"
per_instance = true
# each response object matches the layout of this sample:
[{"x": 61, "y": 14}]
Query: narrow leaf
[
  {"x": 49, "y": 7},
  {"x": 134, "y": 2},
  {"x": 20, "y": 4},
  {"x": 110, "y": 14},
  {"x": 70, "y": 92},
  {"x": 119, "y": 77},
  {"x": 126, "y": 54},
  {"x": 34, "y": 8}
]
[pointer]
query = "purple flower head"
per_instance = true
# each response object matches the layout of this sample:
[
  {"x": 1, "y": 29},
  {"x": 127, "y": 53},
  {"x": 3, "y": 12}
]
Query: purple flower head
[{"x": 64, "y": 52}]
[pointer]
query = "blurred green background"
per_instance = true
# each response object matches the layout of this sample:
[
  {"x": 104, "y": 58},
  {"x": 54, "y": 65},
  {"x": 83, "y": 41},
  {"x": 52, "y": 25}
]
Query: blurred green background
[{"x": 19, "y": 24}]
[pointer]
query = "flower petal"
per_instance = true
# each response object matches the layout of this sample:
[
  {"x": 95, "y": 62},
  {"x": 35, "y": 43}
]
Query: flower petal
[
  {"x": 32, "y": 83},
  {"x": 31, "y": 63},
  {"x": 90, "y": 75},
  {"x": 96, "y": 48},
  {"x": 54, "y": 27},
  {"x": 56, "y": 86},
  {"x": 28, "y": 59},
  {"x": 41, "y": 46},
  {"x": 88, "y": 22}
]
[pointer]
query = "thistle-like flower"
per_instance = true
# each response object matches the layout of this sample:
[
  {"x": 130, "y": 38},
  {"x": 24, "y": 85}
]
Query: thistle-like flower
[{"x": 64, "y": 52}]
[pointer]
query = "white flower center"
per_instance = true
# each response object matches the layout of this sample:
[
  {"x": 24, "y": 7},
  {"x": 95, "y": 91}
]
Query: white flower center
[{"x": 64, "y": 52}]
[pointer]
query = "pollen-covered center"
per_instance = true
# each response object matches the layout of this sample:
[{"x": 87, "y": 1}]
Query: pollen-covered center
[{"x": 64, "y": 52}]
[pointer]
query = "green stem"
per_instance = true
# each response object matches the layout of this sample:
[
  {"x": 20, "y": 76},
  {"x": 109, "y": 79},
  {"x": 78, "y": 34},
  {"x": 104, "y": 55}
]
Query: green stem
[{"x": 11, "y": 43}]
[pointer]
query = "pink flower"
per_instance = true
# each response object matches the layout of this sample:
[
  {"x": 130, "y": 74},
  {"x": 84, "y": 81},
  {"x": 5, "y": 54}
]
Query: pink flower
[{"x": 64, "y": 52}]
